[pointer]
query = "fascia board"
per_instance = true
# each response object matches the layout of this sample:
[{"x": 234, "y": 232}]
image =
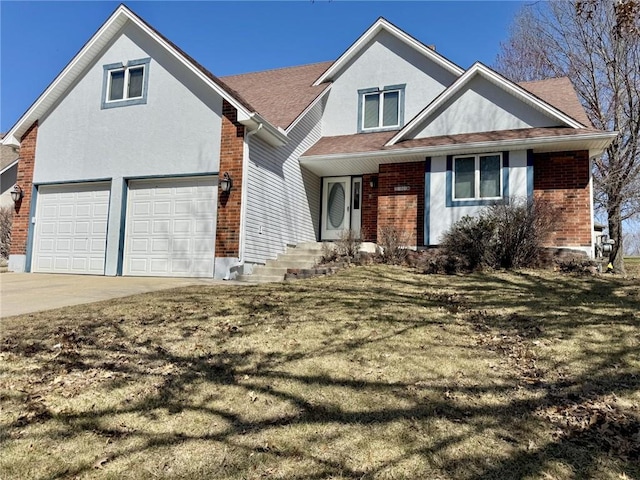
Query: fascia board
[
  {"x": 597, "y": 141},
  {"x": 379, "y": 25},
  {"x": 273, "y": 136},
  {"x": 480, "y": 69},
  {"x": 39, "y": 107},
  {"x": 11, "y": 165},
  {"x": 309, "y": 107}
]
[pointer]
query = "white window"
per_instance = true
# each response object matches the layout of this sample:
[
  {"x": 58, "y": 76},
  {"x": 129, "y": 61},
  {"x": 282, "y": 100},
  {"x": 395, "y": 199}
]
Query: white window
[
  {"x": 381, "y": 109},
  {"x": 477, "y": 177},
  {"x": 125, "y": 84}
]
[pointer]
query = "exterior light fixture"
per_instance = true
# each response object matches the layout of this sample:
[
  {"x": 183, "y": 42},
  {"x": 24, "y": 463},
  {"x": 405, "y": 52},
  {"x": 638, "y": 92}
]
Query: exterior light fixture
[
  {"x": 226, "y": 184},
  {"x": 16, "y": 193},
  {"x": 374, "y": 182}
]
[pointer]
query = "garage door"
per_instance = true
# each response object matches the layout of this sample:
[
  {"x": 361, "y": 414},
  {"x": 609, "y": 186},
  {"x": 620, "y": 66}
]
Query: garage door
[
  {"x": 171, "y": 227},
  {"x": 71, "y": 228}
]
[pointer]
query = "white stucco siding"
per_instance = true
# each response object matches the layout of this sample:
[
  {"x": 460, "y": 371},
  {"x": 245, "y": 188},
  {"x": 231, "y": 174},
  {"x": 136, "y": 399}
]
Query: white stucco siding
[
  {"x": 385, "y": 61},
  {"x": 441, "y": 217},
  {"x": 283, "y": 199},
  {"x": 481, "y": 106},
  {"x": 177, "y": 131}
]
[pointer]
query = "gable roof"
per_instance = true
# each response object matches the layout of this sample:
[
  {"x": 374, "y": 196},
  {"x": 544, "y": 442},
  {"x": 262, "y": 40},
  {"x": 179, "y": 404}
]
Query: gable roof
[
  {"x": 109, "y": 30},
  {"x": 8, "y": 156},
  {"x": 282, "y": 94},
  {"x": 378, "y": 26},
  {"x": 498, "y": 80},
  {"x": 560, "y": 93}
]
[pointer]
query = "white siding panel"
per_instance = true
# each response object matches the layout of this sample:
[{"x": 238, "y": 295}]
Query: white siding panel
[{"x": 283, "y": 199}]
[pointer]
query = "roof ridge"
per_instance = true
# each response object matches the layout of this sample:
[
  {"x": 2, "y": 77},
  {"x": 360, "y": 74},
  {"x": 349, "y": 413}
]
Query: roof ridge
[{"x": 276, "y": 69}]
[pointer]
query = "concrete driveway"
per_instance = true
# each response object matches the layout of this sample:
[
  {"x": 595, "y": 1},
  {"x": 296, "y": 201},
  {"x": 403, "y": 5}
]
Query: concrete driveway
[{"x": 33, "y": 292}]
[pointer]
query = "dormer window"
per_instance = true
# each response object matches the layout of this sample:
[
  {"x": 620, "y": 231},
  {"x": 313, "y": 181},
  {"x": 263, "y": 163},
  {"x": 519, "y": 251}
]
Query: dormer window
[
  {"x": 381, "y": 109},
  {"x": 125, "y": 84}
]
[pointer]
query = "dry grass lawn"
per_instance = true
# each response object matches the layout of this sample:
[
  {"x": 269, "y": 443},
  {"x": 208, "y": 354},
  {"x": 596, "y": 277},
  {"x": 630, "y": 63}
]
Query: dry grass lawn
[{"x": 376, "y": 372}]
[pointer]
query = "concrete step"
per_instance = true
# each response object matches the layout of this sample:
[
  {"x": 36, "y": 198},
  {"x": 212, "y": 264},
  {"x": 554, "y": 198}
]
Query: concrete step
[
  {"x": 286, "y": 263},
  {"x": 295, "y": 257},
  {"x": 315, "y": 246},
  {"x": 269, "y": 271}
]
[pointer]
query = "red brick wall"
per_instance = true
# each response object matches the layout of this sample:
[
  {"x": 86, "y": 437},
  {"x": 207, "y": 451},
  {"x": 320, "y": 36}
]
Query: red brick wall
[
  {"x": 369, "y": 227},
  {"x": 403, "y": 209},
  {"x": 231, "y": 155},
  {"x": 562, "y": 179},
  {"x": 20, "y": 227}
]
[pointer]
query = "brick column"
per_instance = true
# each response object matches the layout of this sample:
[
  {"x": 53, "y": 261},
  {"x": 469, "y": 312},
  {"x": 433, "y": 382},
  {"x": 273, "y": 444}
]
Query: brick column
[
  {"x": 562, "y": 180},
  {"x": 231, "y": 157},
  {"x": 401, "y": 199},
  {"x": 21, "y": 217}
]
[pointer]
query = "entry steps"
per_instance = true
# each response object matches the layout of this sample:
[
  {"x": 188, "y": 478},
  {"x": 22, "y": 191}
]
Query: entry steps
[{"x": 301, "y": 256}]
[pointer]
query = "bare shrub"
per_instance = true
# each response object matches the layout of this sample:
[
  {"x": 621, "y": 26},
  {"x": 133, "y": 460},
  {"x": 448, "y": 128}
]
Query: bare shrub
[
  {"x": 467, "y": 242},
  {"x": 329, "y": 253},
  {"x": 348, "y": 245},
  {"x": 502, "y": 236},
  {"x": 392, "y": 245},
  {"x": 520, "y": 228},
  {"x": 6, "y": 219}
]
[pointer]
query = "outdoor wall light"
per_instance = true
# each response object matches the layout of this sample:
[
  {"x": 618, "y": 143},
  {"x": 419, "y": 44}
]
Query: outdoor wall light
[
  {"x": 226, "y": 183},
  {"x": 374, "y": 182},
  {"x": 16, "y": 193}
]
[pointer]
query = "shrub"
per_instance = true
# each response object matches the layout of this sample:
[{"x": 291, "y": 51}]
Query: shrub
[
  {"x": 6, "y": 219},
  {"x": 502, "y": 236},
  {"x": 348, "y": 245},
  {"x": 392, "y": 245}
]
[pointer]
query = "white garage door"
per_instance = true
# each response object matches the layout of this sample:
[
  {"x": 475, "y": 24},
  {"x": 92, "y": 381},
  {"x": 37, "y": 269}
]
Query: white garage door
[
  {"x": 171, "y": 227},
  {"x": 71, "y": 228}
]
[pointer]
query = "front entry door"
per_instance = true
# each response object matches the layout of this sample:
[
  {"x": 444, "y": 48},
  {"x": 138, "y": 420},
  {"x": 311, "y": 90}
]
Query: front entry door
[{"x": 336, "y": 194}]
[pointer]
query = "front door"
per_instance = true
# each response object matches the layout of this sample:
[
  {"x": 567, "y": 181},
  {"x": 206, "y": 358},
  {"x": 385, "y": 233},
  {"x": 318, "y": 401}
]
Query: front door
[{"x": 336, "y": 194}]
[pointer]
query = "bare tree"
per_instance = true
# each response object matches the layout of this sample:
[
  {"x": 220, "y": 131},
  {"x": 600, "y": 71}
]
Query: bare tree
[{"x": 596, "y": 43}]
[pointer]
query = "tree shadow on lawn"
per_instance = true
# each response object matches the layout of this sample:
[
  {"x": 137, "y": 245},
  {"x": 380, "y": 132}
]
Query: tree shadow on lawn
[{"x": 234, "y": 376}]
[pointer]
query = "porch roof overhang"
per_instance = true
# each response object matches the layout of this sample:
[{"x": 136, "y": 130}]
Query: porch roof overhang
[{"x": 324, "y": 160}]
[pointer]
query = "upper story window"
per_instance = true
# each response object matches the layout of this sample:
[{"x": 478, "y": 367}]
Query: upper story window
[
  {"x": 125, "y": 84},
  {"x": 477, "y": 177},
  {"x": 381, "y": 109}
]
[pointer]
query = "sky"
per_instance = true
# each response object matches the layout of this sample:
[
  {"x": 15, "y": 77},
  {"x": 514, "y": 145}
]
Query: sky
[{"x": 37, "y": 39}]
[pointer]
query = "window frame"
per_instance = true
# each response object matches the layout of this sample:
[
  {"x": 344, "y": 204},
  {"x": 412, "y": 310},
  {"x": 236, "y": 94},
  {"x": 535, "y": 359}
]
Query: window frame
[
  {"x": 477, "y": 200},
  {"x": 111, "y": 68},
  {"x": 363, "y": 93}
]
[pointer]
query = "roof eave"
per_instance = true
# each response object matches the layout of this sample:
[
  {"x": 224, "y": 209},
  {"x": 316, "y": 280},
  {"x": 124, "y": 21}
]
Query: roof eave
[
  {"x": 594, "y": 142},
  {"x": 274, "y": 136}
]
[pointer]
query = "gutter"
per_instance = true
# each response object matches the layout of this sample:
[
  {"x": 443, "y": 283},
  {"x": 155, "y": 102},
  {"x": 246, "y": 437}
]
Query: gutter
[{"x": 275, "y": 137}]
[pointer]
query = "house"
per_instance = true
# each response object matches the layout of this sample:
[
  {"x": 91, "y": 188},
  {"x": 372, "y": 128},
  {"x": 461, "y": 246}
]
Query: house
[
  {"x": 127, "y": 157},
  {"x": 8, "y": 173}
]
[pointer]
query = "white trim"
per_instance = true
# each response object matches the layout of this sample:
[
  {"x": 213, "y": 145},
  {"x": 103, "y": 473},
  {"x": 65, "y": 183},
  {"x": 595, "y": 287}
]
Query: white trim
[
  {"x": 309, "y": 107},
  {"x": 11, "y": 165},
  {"x": 510, "y": 87},
  {"x": 378, "y": 26}
]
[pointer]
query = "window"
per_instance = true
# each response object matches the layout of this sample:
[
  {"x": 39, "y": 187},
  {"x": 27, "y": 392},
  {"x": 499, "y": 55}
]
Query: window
[
  {"x": 477, "y": 177},
  {"x": 381, "y": 109},
  {"x": 476, "y": 180},
  {"x": 125, "y": 84}
]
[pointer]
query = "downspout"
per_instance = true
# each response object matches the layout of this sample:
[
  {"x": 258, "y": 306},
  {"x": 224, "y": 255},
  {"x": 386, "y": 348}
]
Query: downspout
[{"x": 244, "y": 193}]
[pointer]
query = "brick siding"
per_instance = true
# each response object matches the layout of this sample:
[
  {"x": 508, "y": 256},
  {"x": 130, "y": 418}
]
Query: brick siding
[
  {"x": 20, "y": 226},
  {"x": 402, "y": 209},
  {"x": 231, "y": 156},
  {"x": 562, "y": 179}
]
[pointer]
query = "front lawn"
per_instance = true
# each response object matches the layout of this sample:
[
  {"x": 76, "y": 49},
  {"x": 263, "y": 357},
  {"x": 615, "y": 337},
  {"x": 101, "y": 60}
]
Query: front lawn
[{"x": 376, "y": 372}]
